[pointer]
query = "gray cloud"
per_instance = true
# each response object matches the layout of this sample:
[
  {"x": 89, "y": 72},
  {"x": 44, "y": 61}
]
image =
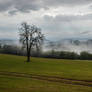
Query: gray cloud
[
  {"x": 67, "y": 2},
  {"x": 67, "y": 26},
  {"x": 29, "y": 5},
  {"x": 20, "y": 5},
  {"x": 68, "y": 18},
  {"x": 53, "y": 27}
]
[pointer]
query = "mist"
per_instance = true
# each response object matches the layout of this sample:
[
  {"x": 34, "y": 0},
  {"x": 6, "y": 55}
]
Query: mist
[{"x": 70, "y": 45}]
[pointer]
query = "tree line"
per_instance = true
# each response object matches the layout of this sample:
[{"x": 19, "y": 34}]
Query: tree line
[{"x": 15, "y": 50}]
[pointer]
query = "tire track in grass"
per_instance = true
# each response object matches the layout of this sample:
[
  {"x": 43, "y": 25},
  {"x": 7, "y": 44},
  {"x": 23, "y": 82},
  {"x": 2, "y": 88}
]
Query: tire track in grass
[{"x": 49, "y": 78}]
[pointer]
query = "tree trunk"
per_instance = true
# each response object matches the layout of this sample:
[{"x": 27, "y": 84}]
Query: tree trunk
[{"x": 28, "y": 56}]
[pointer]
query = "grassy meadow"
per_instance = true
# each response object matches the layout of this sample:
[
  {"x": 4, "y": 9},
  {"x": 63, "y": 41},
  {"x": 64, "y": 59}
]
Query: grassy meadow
[{"x": 69, "y": 69}]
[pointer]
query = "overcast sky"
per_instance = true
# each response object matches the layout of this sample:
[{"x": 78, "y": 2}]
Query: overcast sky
[{"x": 58, "y": 19}]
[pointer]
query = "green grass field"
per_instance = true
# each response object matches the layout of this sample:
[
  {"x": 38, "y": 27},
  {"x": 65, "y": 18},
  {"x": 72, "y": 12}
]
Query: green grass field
[{"x": 69, "y": 69}]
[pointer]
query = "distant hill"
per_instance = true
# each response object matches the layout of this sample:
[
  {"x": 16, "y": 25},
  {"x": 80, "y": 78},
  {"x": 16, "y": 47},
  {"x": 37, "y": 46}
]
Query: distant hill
[{"x": 9, "y": 42}]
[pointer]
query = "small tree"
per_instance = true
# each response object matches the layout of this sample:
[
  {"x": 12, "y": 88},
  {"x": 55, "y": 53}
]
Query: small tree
[{"x": 30, "y": 37}]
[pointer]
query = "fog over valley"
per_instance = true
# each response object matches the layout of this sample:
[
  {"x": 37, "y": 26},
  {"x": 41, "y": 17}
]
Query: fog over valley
[{"x": 71, "y": 45}]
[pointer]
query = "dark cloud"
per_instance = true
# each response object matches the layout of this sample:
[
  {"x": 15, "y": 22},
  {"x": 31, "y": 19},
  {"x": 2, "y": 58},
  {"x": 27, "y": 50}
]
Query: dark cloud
[
  {"x": 29, "y": 5},
  {"x": 5, "y": 5},
  {"x": 20, "y": 5},
  {"x": 13, "y": 12}
]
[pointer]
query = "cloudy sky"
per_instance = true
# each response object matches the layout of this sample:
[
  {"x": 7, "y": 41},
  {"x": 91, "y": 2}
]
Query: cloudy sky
[{"x": 58, "y": 19}]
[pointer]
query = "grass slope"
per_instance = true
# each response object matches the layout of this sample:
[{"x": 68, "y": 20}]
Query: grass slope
[
  {"x": 14, "y": 84},
  {"x": 73, "y": 69}
]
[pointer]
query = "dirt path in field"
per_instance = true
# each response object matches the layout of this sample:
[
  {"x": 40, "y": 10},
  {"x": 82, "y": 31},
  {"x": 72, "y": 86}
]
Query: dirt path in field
[{"x": 49, "y": 78}]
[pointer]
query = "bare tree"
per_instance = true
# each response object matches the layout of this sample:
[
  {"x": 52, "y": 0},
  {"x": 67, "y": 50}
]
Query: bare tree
[{"x": 30, "y": 37}]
